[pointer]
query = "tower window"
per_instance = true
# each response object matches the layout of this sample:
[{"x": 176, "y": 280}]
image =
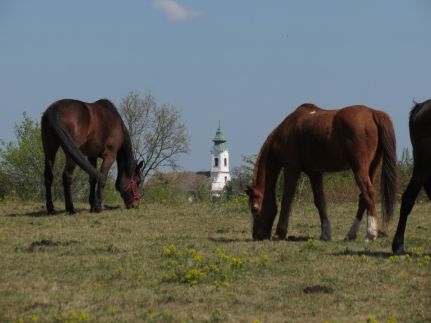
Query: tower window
[
  {"x": 215, "y": 162},
  {"x": 225, "y": 162},
  {"x": 225, "y": 179}
]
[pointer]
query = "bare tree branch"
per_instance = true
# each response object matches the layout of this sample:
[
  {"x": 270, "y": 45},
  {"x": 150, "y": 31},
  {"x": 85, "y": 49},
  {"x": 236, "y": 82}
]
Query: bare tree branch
[{"x": 158, "y": 135}]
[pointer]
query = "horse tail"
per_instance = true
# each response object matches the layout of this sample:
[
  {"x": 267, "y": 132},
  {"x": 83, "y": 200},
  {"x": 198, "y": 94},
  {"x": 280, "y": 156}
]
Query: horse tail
[
  {"x": 51, "y": 119},
  {"x": 388, "y": 185}
]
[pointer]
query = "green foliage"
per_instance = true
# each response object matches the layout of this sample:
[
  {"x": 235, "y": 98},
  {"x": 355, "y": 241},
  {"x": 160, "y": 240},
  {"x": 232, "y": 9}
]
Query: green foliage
[
  {"x": 164, "y": 193},
  {"x": 203, "y": 191},
  {"x": 241, "y": 177},
  {"x": 22, "y": 161}
]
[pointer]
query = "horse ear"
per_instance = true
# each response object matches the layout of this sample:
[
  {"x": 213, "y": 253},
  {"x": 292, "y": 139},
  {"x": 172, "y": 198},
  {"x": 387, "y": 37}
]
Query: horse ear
[{"x": 139, "y": 166}]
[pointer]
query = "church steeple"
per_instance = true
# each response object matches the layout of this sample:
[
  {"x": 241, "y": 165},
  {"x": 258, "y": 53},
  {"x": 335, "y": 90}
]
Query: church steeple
[{"x": 219, "y": 163}]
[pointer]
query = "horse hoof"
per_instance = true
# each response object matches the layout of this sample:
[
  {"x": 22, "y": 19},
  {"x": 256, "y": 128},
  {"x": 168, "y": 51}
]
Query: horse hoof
[
  {"x": 398, "y": 248},
  {"x": 350, "y": 237},
  {"x": 51, "y": 212},
  {"x": 369, "y": 238},
  {"x": 277, "y": 237},
  {"x": 324, "y": 237},
  {"x": 71, "y": 212}
]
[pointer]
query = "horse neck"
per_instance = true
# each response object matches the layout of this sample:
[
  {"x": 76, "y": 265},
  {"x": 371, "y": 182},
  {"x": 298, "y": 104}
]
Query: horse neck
[{"x": 125, "y": 160}]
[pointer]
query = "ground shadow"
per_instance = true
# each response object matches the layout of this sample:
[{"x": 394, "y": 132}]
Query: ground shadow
[
  {"x": 368, "y": 253},
  {"x": 43, "y": 213},
  {"x": 226, "y": 240},
  {"x": 298, "y": 238},
  {"x": 376, "y": 254},
  {"x": 289, "y": 238}
]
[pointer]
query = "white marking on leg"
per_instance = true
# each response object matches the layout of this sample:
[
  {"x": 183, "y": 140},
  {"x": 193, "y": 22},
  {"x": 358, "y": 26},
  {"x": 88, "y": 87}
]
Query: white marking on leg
[
  {"x": 312, "y": 112},
  {"x": 352, "y": 234},
  {"x": 371, "y": 228}
]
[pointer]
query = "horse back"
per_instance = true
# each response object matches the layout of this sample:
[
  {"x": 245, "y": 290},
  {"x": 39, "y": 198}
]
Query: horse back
[
  {"x": 94, "y": 127},
  {"x": 322, "y": 140}
]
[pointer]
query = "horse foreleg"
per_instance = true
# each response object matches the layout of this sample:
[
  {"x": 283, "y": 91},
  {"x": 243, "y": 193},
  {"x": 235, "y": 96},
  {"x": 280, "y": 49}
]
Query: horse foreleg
[
  {"x": 316, "y": 180},
  {"x": 290, "y": 181},
  {"x": 104, "y": 169},
  {"x": 407, "y": 201},
  {"x": 93, "y": 183},
  {"x": 67, "y": 183},
  {"x": 352, "y": 234}
]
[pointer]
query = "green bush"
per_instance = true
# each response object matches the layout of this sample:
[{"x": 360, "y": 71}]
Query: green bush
[{"x": 164, "y": 193}]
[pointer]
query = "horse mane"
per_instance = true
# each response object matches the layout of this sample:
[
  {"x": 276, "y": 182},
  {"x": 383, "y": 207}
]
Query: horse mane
[
  {"x": 127, "y": 149},
  {"x": 263, "y": 153},
  {"x": 108, "y": 104}
]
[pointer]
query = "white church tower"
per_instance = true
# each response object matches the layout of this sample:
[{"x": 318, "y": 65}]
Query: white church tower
[{"x": 219, "y": 164}]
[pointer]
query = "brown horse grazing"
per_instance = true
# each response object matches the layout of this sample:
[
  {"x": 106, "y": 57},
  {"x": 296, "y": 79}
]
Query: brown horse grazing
[
  {"x": 314, "y": 141},
  {"x": 95, "y": 130},
  {"x": 420, "y": 135}
]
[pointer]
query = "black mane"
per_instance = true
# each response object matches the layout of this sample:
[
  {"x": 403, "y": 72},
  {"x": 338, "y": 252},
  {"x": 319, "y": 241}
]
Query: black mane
[{"x": 416, "y": 108}]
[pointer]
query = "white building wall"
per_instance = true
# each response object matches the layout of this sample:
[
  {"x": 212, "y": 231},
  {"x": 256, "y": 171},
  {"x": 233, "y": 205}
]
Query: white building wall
[{"x": 220, "y": 170}]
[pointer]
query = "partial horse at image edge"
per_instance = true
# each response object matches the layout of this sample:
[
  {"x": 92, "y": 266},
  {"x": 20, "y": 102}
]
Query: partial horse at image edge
[
  {"x": 92, "y": 130},
  {"x": 315, "y": 141},
  {"x": 420, "y": 136}
]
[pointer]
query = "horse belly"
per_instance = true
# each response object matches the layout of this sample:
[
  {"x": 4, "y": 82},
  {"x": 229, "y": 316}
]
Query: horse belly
[{"x": 322, "y": 158}]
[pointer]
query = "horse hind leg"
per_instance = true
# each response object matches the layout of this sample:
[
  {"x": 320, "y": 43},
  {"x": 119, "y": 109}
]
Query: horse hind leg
[
  {"x": 362, "y": 205},
  {"x": 50, "y": 148},
  {"x": 367, "y": 190},
  {"x": 93, "y": 183},
  {"x": 407, "y": 202},
  {"x": 49, "y": 177},
  {"x": 67, "y": 183}
]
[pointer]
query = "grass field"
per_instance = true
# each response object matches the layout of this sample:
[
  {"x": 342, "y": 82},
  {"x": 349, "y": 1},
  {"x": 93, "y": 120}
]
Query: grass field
[{"x": 197, "y": 263}]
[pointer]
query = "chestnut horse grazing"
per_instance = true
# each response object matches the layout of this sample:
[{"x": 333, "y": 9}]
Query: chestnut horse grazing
[
  {"x": 420, "y": 135},
  {"x": 95, "y": 130},
  {"x": 314, "y": 141}
]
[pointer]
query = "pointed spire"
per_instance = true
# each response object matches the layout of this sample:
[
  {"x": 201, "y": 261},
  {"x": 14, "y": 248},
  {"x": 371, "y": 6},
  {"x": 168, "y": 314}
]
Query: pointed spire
[{"x": 219, "y": 141}]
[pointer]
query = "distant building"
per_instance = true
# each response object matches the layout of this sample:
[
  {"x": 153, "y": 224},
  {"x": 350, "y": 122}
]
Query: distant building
[{"x": 219, "y": 173}]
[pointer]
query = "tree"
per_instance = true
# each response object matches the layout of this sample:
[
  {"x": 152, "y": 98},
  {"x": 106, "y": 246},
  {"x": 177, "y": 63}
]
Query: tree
[
  {"x": 241, "y": 176},
  {"x": 158, "y": 135},
  {"x": 22, "y": 160}
]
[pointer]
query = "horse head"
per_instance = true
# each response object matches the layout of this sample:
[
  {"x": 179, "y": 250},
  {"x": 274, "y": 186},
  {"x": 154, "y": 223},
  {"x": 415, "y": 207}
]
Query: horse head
[
  {"x": 262, "y": 219},
  {"x": 130, "y": 189}
]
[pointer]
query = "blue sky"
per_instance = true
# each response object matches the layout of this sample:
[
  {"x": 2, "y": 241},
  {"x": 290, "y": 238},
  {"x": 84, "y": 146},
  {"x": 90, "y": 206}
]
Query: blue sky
[{"x": 247, "y": 63}]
